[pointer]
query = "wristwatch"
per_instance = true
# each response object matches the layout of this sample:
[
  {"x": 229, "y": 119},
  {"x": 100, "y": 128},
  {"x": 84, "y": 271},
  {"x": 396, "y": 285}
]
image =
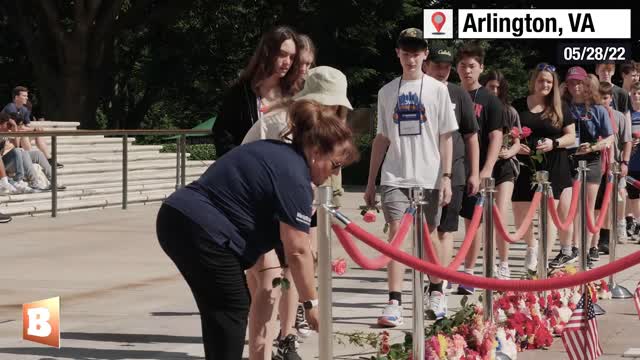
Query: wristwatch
[
  {"x": 556, "y": 143},
  {"x": 624, "y": 162},
  {"x": 448, "y": 175},
  {"x": 310, "y": 304}
]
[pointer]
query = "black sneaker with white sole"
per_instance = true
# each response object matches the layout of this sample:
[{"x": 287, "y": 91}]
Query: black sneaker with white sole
[
  {"x": 287, "y": 349},
  {"x": 301, "y": 324},
  {"x": 561, "y": 260},
  {"x": 594, "y": 254}
]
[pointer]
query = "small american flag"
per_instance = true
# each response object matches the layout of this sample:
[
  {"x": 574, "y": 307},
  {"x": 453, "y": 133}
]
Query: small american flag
[
  {"x": 580, "y": 335},
  {"x": 636, "y": 298}
]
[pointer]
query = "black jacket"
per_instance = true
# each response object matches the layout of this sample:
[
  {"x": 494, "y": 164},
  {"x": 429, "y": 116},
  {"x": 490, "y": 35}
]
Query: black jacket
[{"x": 239, "y": 111}]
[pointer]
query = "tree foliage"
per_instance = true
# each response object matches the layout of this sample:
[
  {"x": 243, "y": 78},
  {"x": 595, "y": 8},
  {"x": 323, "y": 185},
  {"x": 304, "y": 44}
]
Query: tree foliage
[{"x": 166, "y": 63}]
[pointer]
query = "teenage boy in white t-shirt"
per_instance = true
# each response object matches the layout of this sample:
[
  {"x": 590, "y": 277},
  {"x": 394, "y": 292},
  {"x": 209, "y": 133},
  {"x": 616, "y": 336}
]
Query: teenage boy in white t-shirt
[{"x": 415, "y": 124}]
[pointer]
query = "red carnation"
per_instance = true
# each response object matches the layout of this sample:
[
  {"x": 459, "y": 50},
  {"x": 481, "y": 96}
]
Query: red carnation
[
  {"x": 339, "y": 266},
  {"x": 369, "y": 217}
]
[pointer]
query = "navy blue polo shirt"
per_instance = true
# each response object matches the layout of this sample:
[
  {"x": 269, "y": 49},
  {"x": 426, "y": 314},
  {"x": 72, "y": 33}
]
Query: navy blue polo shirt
[
  {"x": 22, "y": 113},
  {"x": 242, "y": 198}
]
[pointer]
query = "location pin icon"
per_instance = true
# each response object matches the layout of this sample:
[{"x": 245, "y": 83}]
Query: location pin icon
[{"x": 438, "y": 19}]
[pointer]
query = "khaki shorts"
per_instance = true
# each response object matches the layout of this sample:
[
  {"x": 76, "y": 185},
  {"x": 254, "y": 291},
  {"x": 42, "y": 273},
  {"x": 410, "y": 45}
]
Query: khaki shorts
[{"x": 396, "y": 200}]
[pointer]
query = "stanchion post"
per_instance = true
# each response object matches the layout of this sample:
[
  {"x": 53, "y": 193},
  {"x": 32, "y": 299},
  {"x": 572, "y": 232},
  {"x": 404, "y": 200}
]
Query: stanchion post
[
  {"x": 584, "y": 234},
  {"x": 417, "y": 199},
  {"x": 183, "y": 160},
  {"x": 125, "y": 169},
  {"x": 488, "y": 186},
  {"x": 617, "y": 291},
  {"x": 325, "y": 195},
  {"x": 178, "y": 156},
  {"x": 542, "y": 177},
  {"x": 54, "y": 176}
]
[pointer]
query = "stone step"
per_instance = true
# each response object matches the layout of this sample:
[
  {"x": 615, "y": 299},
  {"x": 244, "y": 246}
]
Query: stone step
[
  {"x": 89, "y": 187},
  {"x": 92, "y": 168},
  {"x": 97, "y": 202},
  {"x": 56, "y": 125},
  {"x": 116, "y": 176},
  {"x": 106, "y": 148},
  {"x": 87, "y": 140},
  {"x": 71, "y": 159},
  {"x": 82, "y": 193}
]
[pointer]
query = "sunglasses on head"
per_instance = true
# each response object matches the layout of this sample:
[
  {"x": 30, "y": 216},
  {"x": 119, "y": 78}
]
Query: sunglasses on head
[{"x": 546, "y": 67}]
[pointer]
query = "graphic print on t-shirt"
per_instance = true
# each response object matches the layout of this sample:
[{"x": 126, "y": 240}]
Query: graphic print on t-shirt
[
  {"x": 478, "y": 109},
  {"x": 409, "y": 103}
]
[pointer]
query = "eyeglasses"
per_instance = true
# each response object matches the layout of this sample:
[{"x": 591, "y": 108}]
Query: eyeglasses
[
  {"x": 335, "y": 165},
  {"x": 546, "y": 67}
]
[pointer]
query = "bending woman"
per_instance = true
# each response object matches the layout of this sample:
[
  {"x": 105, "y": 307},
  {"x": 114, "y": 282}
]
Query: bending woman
[{"x": 256, "y": 197}]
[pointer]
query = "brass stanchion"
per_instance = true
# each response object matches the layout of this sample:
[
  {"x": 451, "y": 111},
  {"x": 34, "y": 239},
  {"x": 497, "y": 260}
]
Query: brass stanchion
[{"x": 617, "y": 291}]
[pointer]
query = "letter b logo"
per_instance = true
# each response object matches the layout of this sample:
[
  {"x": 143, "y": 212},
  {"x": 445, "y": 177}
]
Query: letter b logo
[{"x": 41, "y": 322}]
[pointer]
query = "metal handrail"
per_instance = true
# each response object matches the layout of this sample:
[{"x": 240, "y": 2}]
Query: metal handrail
[
  {"x": 106, "y": 132},
  {"x": 181, "y": 157}
]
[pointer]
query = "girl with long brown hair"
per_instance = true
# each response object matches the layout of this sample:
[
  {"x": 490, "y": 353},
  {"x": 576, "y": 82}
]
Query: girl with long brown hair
[{"x": 551, "y": 133}]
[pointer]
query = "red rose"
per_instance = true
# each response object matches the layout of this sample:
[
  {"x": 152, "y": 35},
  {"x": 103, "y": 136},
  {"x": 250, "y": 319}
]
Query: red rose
[
  {"x": 636, "y": 134},
  {"x": 515, "y": 132},
  {"x": 369, "y": 217},
  {"x": 526, "y": 132},
  {"x": 384, "y": 349},
  {"x": 339, "y": 266}
]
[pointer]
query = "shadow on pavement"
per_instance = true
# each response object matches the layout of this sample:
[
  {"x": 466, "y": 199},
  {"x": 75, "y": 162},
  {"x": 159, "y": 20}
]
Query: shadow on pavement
[
  {"x": 169, "y": 313},
  {"x": 97, "y": 354},
  {"x": 132, "y": 338}
]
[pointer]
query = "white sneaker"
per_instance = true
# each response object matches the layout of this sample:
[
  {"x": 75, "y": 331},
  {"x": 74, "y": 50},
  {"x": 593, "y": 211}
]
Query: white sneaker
[
  {"x": 621, "y": 228},
  {"x": 437, "y": 302},
  {"x": 6, "y": 188},
  {"x": 531, "y": 259},
  {"x": 503, "y": 272},
  {"x": 391, "y": 315},
  {"x": 38, "y": 186},
  {"x": 22, "y": 187}
]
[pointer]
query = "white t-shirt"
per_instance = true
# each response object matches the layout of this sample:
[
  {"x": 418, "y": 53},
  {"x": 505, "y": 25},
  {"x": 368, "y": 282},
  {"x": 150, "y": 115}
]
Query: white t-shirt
[
  {"x": 414, "y": 160},
  {"x": 269, "y": 127}
]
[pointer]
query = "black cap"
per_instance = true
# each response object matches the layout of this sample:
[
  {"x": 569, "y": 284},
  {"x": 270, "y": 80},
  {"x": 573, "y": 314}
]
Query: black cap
[
  {"x": 412, "y": 37},
  {"x": 440, "y": 54}
]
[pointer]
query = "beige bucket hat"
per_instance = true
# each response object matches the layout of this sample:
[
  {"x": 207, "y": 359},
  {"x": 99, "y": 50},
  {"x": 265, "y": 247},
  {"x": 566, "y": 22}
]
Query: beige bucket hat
[{"x": 326, "y": 85}]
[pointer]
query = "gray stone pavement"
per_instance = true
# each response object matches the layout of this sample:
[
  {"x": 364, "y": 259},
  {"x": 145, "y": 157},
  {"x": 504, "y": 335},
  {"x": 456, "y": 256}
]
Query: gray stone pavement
[{"x": 122, "y": 298}]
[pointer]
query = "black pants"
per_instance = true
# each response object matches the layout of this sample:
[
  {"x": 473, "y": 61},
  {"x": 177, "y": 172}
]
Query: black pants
[{"x": 217, "y": 281}]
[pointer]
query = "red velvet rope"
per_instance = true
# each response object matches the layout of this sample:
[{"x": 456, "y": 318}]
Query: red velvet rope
[
  {"x": 485, "y": 283},
  {"x": 430, "y": 252},
  {"x": 573, "y": 209},
  {"x": 502, "y": 231},
  {"x": 468, "y": 238},
  {"x": 381, "y": 260},
  {"x": 466, "y": 243},
  {"x": 603, "y": 210}
]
